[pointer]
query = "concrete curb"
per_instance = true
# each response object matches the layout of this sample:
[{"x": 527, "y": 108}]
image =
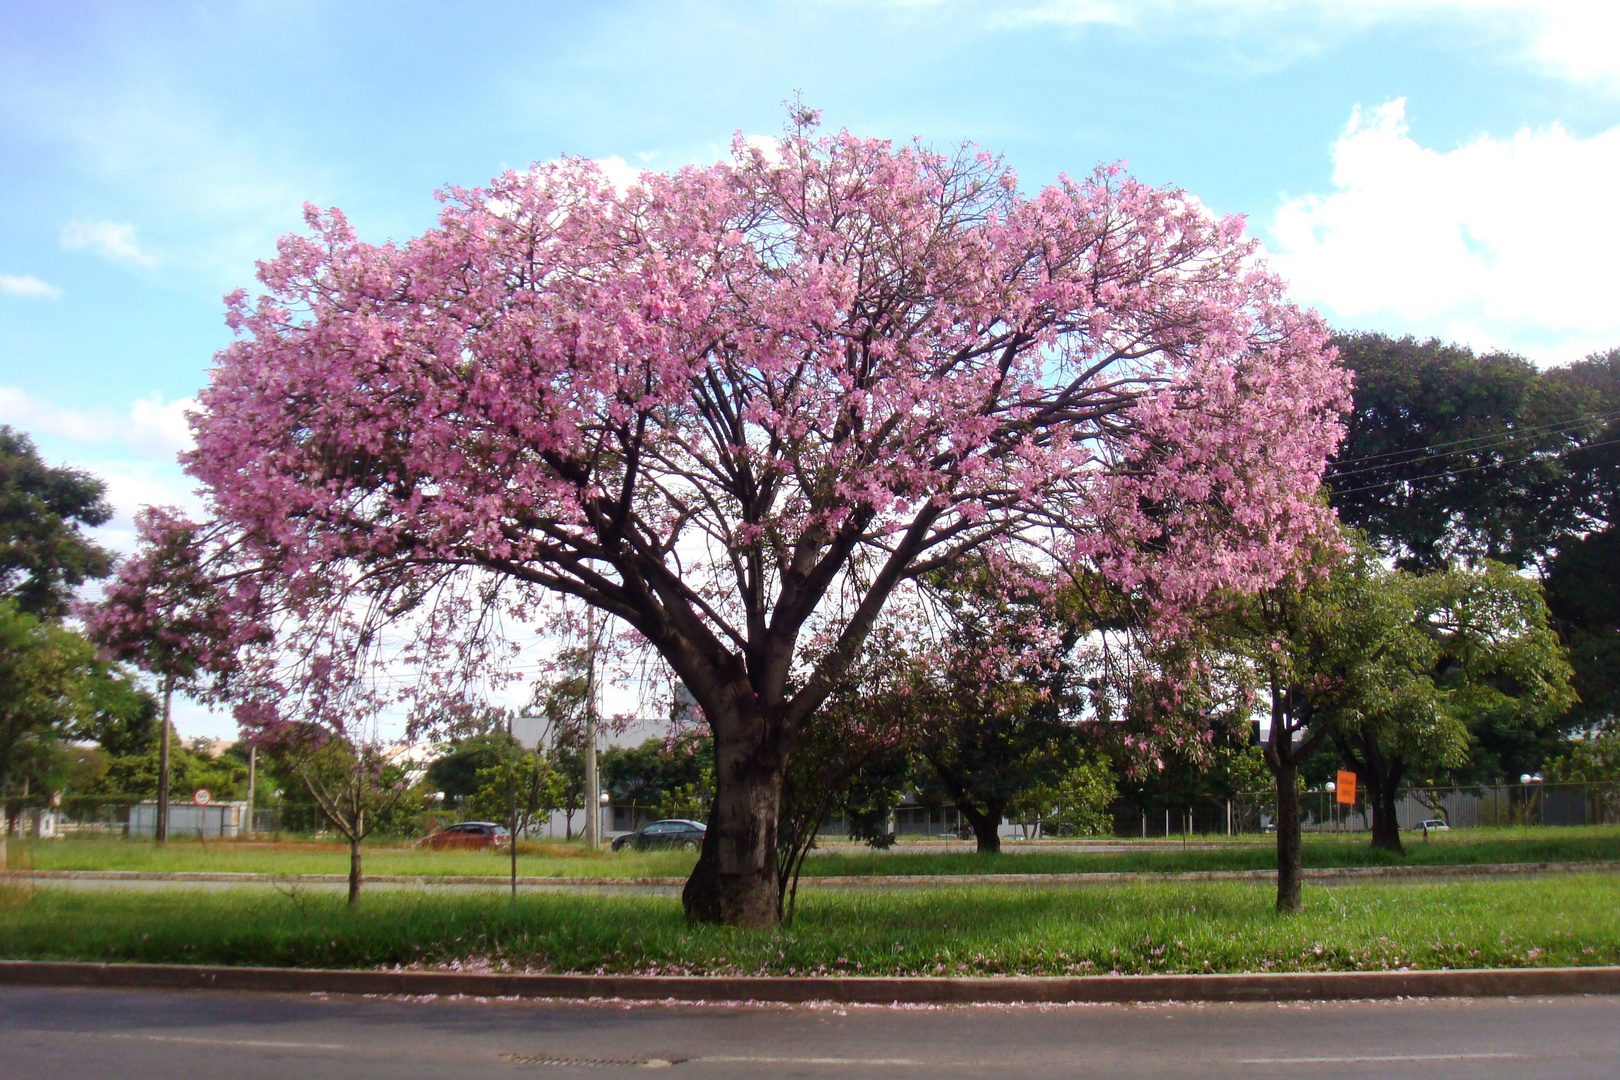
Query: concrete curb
[
  {"x": 1331, "y": 873},
  {"x": 1293, "y": 986}
]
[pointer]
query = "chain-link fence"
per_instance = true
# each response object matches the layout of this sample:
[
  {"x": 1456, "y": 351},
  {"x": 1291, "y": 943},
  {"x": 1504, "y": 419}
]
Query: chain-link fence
[
  {"x": 88, "y": 816},
  {"x": 1537, "y": 805}
]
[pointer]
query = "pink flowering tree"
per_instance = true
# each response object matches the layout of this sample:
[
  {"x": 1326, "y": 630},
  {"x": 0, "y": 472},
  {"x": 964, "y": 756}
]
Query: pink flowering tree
[
  {"x": 742, "y": 408},
  {"x": 178, "y": 610}
]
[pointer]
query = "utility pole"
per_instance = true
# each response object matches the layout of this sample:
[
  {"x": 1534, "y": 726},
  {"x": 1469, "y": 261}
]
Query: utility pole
[
  {"x": 511, "y": 799},
  {"x": 593, "y": 782},
  {"x": 160, "y": 829}
]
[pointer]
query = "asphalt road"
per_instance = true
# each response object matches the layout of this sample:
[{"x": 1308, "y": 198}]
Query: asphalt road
[{"x": 47, "y": 1034}]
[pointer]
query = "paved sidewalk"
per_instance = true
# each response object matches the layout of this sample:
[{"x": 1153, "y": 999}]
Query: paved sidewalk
[{"x": 144, "y": 1035}]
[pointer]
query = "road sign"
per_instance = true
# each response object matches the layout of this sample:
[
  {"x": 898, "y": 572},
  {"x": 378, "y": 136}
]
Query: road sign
[
  {"x": 1345, "y": 791},
  {"x": 202, "y": 796}
]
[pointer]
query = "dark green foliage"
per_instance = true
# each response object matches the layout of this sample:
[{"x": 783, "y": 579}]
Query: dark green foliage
[
  {"x": 42, "y": 697},
  {"x": 1451, "y": 454},
  {"x": 1593, "y": 462},
  {"x": 44, "y": 554},
  {"x": 121, "y": 715},
  {"x": 135, "y": 776},
  {"x": 990, "y": 728},
  {"x": 522, "y": 791},
  {"x": 662, "y": 777},
  {"x": 1583, "y": 578},
  {"x": 456, "y": 772}
]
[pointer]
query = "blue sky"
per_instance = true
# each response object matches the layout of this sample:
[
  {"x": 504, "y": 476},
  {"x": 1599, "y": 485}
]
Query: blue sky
[{"x": 1439, "y": 167}]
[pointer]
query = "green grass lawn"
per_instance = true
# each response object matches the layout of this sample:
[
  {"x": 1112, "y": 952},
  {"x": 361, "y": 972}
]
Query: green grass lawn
[
  {"x": 1470, "y": 847},
  {"x": 953, "y": 930},
  {"x": 293, "y": 857}
]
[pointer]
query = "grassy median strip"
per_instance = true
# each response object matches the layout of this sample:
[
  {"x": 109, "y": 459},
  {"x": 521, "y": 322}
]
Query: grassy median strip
[
  {"x": 1473, "y": 847},
  {"x": 968, "y": 930}
]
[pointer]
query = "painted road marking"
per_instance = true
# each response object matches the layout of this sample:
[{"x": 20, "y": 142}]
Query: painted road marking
[{"x": 1380, "y": 1058}]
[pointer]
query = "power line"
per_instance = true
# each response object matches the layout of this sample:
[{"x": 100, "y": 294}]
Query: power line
[
  {"x": 1480, "y": 442},
  {"x": 1453, "y": 472}
]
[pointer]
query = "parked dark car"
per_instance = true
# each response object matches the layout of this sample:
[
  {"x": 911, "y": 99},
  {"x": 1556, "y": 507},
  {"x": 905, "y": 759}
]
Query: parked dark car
[
  {"x": 668, "y": 833},
  {"x": 467, "y": 834}
]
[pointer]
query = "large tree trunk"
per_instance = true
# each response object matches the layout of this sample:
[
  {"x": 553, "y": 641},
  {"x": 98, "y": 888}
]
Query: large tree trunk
[
  {"x": 1386, "y": 827},
  {"x": 735, "y": 881},
  {"x": 1381, "y": 775},
  {"x": 986, "y": 826},
  {"x": 160, "y": 829}
]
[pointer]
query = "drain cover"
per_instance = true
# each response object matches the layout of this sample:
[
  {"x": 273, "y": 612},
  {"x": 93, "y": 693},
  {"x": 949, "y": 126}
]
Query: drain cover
[{"x": 590, "y": 1063}]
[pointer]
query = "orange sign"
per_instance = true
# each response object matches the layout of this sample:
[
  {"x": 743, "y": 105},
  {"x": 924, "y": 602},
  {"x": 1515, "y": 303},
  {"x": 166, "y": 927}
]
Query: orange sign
[{"x": 1344, "y": 790}]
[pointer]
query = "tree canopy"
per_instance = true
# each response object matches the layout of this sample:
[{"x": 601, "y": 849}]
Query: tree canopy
[
  {"x": 44, "y": 552},
  {"x": 740, "y": 408},
  {"x": 1451, "y": 454}
]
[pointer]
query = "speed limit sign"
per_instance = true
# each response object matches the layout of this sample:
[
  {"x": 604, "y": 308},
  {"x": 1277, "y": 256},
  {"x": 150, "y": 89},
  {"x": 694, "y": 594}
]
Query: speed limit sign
[{"x": 202, "y": 796}]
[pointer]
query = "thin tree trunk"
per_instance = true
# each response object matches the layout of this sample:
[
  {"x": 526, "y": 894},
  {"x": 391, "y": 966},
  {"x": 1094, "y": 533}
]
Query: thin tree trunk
[
  {"x": 1283, "y": 757},
  {"x": 735, "y": 880},
  {"x": 1290, "y": 898},
  {"x": 161, "y": 829},
  {"x": 354, "y": 868}
]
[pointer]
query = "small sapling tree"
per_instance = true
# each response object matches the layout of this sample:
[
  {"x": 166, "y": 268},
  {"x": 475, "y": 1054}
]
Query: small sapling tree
[{"x": 353, "y": 781}]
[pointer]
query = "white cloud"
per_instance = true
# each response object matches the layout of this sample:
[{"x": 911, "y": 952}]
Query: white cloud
[
  {"x": 27, "y": 285},
  {"x": 154, "y": 430},
  {"x": 1500, "y": 242},
  {"x": 618, "y": 172},
  {"x": 769, "y": 146},
  {"x": 159, "y": 430},
  {"x": 1578, "y": 40},
  {"x": 134, "y": 484},
  {"x": 109, "y": 239},
  {"x": 133, "y": 452},
  {"x": 28, "y": 414}
]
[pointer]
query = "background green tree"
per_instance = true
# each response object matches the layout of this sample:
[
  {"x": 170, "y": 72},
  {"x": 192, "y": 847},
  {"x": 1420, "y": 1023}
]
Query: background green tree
[
  {"x": 44, "y": 510},
  {"x": 43, "y": 697},
  {"x": 1450, "y": 454}
]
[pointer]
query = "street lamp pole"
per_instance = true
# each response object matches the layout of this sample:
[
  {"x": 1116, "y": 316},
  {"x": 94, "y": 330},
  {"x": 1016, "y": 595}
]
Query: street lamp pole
[{"x": 511, "y": 799}]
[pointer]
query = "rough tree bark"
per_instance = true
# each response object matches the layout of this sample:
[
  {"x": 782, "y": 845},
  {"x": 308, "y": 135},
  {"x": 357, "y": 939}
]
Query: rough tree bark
[{"x": 735, "y": 880}]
